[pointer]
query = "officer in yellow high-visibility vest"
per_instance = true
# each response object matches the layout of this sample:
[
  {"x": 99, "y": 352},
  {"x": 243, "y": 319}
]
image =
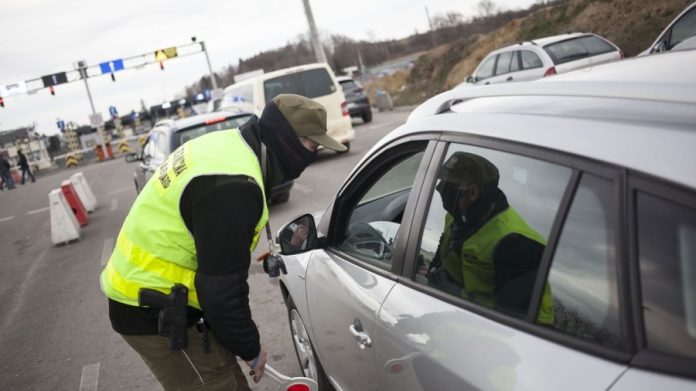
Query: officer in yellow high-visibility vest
[
  {"x": 184, "y": 249},
  {"x": 487, "y": 252}
]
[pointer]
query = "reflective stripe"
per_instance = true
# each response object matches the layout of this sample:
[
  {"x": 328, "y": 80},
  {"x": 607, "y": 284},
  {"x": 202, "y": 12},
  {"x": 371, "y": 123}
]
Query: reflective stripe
[{"x": 147, "y": 270}]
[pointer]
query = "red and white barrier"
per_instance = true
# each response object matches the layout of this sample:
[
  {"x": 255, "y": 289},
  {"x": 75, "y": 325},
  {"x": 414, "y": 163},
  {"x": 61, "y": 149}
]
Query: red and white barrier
[
  {"x": 84, "y": 191},
  {"x": 75, "y": 203}
]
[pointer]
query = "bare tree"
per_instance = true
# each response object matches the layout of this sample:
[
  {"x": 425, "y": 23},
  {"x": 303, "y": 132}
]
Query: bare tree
[{"x": 486, "y": 8}]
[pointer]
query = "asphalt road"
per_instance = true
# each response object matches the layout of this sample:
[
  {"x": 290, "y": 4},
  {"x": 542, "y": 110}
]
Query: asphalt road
[{"x": 54, "y": 327}]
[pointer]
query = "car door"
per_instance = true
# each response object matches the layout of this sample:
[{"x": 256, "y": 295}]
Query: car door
[
  {"x": 532, "y": 67},
  {"x": 665, "y": 258},
  {"x": 439, "y": 336},
  {"x": 347, "y": 283}
]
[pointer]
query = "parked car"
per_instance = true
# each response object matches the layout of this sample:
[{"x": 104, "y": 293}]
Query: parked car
[
  {"x": 315, "y": 81},
  {"x": 599, "y": 167},
  {"x": 168, "y": 135},
  {"x": 358, "y": 101},
  {"x": 680, "y": 29},
  {"x": 544, "y": 57}
]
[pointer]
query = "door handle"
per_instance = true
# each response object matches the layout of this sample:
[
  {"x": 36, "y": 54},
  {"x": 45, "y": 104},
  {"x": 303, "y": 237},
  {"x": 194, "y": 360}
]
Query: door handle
[
  {"x": 356, "y": 330},
  {"x": 509, "y": 78}
]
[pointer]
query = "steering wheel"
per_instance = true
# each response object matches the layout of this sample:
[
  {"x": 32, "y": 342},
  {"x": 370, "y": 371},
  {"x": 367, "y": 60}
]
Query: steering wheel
[{"x": 364, "y": 239}]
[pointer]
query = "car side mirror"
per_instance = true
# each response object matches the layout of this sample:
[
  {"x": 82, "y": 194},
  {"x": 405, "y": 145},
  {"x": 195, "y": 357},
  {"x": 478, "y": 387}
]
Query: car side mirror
[
  {"x": 132, "y": 157},
  {"x": 298, "y": 236},
  {"x": 470, "y": 79}
]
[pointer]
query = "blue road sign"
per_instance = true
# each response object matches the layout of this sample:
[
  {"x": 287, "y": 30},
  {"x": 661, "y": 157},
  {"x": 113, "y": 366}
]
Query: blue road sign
[
  {"x": 113, "y": 112},
  {"x": 60, "y": 124},
  {"x": 111, "y": 66}
]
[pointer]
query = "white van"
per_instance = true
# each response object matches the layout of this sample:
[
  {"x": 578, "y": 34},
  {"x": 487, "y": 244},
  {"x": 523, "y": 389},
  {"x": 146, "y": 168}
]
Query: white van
[{"x": 315, "y": 81}]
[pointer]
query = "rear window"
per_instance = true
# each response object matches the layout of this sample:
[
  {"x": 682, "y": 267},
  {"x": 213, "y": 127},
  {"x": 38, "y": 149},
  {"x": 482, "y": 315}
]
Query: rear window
[
  {"x": 348, "y": 85},
  {"x": 312, "y": 84},
  {"x": 212, "y": 125},
  {"x": 577, "y": 48}
]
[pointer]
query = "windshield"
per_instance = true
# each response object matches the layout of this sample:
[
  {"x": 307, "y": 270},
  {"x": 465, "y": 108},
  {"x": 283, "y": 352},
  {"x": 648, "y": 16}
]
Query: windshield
[
  {"x": 312, "y": 84},
  {"x": 213, "y": 125}
]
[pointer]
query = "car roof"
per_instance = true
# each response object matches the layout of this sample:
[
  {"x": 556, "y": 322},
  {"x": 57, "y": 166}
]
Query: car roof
[
  {"x": 556, "y": 38},
  {"x": 642, "y": 118},
  {"x": 183, "y": 123}
]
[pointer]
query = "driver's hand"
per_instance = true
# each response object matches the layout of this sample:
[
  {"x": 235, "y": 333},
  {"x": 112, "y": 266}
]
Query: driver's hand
[{"x": 258, "y": 367}]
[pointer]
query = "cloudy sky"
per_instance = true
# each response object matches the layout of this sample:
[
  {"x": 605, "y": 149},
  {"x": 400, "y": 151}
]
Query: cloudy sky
[{"x": 42, "y": 37}]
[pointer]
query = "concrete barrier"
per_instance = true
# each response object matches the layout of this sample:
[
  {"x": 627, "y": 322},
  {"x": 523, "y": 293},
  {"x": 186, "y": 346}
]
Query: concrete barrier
[
  {"x": 64, "y": 225},
  {"x": 74, "y": 202},
  {"x": 84, "y": 191}
]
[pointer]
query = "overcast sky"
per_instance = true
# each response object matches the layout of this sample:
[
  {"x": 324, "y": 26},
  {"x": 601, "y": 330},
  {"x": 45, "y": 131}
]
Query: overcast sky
[{"x": 42, "y": 37}]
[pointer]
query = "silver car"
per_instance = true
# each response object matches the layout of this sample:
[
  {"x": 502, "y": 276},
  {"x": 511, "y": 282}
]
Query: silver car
[{"x": 599, "y": 167}]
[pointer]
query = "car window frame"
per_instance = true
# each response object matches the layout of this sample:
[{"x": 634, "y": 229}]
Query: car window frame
[
  {"x": 674, "y": 193},
  {"x": 356, "y": 183},
  {"x": 495, "y": 58},
  {"x": 578, "y": 165},
  {"x": 670, "y": 44},
  {"x": 522, "y": 67}
]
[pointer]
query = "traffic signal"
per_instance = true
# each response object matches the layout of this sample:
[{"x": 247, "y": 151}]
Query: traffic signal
[
  {"x": 2, "y": 102},
  {"x": 53, "y": 92},
  {"x": 162, "y": 65},
  {"x": 113, "y": 78}
]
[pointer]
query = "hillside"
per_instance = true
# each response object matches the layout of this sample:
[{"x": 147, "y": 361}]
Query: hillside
[{"x": 632, "y": 24}]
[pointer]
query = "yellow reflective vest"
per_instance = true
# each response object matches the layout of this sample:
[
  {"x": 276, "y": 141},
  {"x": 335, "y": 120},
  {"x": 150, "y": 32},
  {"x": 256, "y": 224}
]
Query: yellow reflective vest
[
  {"x": 472, "y": 267},
  {"x": 155, "y": 248}
]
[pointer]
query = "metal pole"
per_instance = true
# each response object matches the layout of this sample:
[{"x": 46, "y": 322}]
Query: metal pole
[
  {"x": 316, "y": 44},
  {"x": 83, "y": 74},
  {"x": 430, "y": 23},
  {"x": 210, "y": 67}
]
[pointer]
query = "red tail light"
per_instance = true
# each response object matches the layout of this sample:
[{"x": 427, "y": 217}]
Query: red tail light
[
  {"x": 214, "y": 120},
  {"x": 344, "y": 109},
  {"x": 550, "y": 72},
  {"x": 298, "y": 387}
]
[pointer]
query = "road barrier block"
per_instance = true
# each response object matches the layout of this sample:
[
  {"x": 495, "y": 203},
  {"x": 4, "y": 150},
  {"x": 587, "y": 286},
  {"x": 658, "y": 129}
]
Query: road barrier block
[
  {"x": 124, "y": 147},
  {"x": 74, "y": 201},
  {"x": 142, "y": 139},
  {"x": 64, "y": 225},
  {"x": 72, "y": 160},
  {"x": 83, "y": 191}
]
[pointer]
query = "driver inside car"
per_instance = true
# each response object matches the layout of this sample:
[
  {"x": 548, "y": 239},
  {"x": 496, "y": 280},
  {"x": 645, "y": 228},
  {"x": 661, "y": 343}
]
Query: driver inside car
[{"x": 487, "y": 252}]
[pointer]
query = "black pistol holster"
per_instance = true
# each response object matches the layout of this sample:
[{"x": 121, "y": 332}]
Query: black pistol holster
[{"x": 172, "y": 319}]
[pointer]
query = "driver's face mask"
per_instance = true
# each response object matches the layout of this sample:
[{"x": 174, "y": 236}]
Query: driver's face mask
[{"x": 450, "y": 195}]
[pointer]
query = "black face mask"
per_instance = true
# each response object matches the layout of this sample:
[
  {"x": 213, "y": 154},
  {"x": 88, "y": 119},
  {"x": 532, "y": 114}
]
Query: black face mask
[
  {"x": 450, "y": 197},
  {"x": 282, "y": 140}
]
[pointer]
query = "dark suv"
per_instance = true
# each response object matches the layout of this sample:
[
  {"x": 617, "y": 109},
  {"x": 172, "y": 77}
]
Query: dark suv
[
  {"x": 167, "y": 135},
  {"x": 358, "y": 102}
]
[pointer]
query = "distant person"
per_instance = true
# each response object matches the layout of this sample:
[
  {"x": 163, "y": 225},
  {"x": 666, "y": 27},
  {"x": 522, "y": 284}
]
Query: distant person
[
  {"x": 5, "y": 173},
  {"x": 487, "y": 253},
  {"x": 24, "y": 166}
]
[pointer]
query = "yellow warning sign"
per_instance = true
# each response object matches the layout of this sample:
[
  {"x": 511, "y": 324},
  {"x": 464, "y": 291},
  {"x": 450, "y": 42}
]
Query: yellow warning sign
[{"x": 163, "y": 54}]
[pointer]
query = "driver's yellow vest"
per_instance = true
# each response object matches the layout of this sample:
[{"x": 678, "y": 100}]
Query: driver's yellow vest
[
  {"x": 472, "y": 266},
  {"x": 155, "y": 248}
]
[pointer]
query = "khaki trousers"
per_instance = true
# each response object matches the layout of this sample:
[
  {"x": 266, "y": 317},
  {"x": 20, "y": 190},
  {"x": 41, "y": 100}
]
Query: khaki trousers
[{"x": 191, "y": 368}]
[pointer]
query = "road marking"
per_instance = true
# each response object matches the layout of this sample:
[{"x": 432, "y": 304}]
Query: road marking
[
  {"x": 90, "y": 377},
  {"x": 35, "y": 211},
  {"x": 106, "y": 250},
  {"x": 302, "y": 189},
  {"x": 6, "y": 218},
  {"x": 121, "y": 190},
  {"x": 114, "y": 204},
  {"x": 16, "y": 303}
]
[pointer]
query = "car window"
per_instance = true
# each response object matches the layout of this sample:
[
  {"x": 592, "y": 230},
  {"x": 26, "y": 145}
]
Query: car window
[
  {"x": 348, "y": 85},
  {"x": 483, "y": 240},
  {"x": 503, "y": 65},
  {"x": 583, "y": 275},
  {"x": 667, "y": 256},
  {"x": 312, "y": 83},
  {"x": 486, "y": 69},
  {"x": 211, "y": 125},
  {"x": 161, "y": 150},
  {"x": 577, "y": 48},
  {"x": 375, "y": 218},
  {"x": 530, "y": 60},
  {"x": 684, "y": 28},
  {"x": 515, "y": 61},
  {"x": 148, "y": 150}
]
